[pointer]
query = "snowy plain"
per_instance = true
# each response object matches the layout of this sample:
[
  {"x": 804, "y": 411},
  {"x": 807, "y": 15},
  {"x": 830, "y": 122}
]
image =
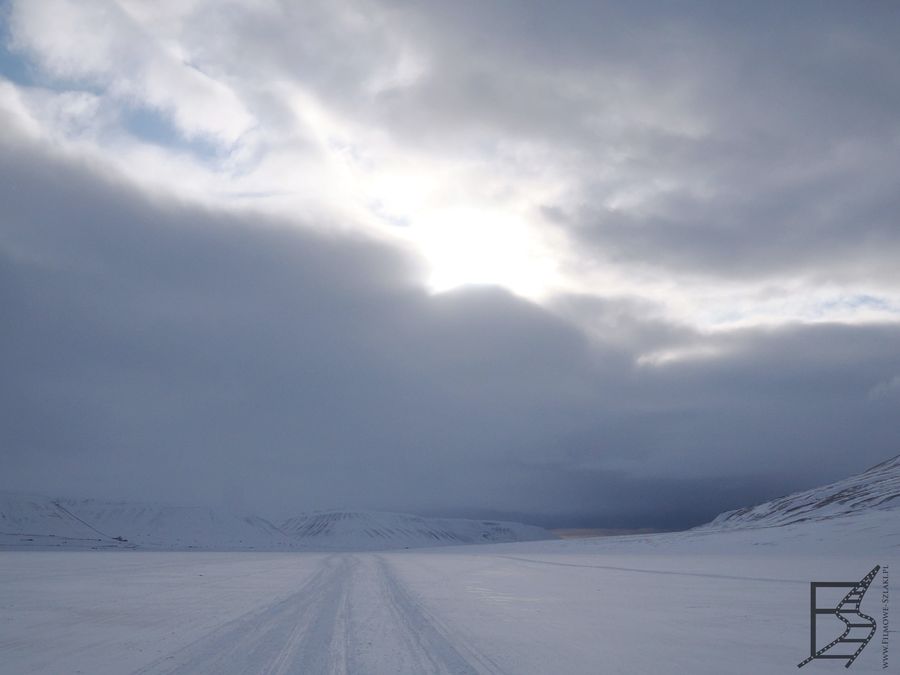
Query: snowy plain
[
  {"x": 702, "y": 601},
  {"x": 729, "y": 597}
]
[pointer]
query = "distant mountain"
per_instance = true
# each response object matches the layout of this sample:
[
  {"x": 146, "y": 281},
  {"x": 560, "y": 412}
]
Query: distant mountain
[
  {"x": 177, "y": 527},
  {"x": 877, "y": 489},
  {"x": 34, "y": 521},
  {"x": 378, "y": 530},
  {"x": 28, "y": 521},
  {"x": 31, "y": 520}
]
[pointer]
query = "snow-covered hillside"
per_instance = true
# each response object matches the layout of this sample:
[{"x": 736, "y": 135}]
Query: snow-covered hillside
[
  {"x": 177, "y": 527},
  {"x": 368, "y": 530},
  {"x": 31, "y": 520},
  {"x": 28, "y": 521},
  {"x": 877, "y": 489},
  {"x": 39, "y": 522}
]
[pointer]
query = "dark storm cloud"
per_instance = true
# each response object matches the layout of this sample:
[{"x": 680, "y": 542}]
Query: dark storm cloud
[
  {"x": 150, "y": 346},
  {"x": 156, "y": 350}
]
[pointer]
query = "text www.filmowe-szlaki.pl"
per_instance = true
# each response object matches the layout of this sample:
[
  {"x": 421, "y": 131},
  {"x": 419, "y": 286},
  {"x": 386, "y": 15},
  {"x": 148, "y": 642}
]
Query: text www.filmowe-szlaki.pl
[{"x": 885, "y": 596}]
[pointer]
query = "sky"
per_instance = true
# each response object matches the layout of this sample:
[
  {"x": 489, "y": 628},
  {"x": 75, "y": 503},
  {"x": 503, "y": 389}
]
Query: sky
[{"x": 613, "y": 264}]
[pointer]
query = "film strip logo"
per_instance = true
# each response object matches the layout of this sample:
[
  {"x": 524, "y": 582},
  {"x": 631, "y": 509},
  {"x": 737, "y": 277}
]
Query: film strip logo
[{"x": 859, "y": 627}]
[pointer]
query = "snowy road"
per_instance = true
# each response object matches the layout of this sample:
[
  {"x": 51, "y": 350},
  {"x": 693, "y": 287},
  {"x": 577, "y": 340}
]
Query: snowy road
[
  {"x": 536, "y": 608},
  {"x": 351, "y": 616}
]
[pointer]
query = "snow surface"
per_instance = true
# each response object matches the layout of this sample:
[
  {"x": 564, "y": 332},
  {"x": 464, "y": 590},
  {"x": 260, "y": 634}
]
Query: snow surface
[{"x": 713, "y": 600}]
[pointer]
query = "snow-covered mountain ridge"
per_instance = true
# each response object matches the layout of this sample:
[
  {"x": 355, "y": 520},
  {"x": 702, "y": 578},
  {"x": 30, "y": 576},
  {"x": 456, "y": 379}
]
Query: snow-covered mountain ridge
[
  {"x": 876, "y": 489},
  {"x": 28, "y": 521},
  {"x": 342, "y": 529}
]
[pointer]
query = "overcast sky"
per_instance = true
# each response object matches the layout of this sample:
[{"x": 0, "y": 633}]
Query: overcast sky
[{"x": 622, "y": 264}]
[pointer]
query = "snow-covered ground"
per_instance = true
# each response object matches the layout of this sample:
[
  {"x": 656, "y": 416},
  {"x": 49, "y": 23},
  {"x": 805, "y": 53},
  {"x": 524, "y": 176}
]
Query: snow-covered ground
[
  {"x": 696, "y": 602},
  {"x": 725, "y": 598}
]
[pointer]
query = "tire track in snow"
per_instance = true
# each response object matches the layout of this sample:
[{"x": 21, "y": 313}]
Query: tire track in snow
[
  {"x": 352, "y": 616},
  {"x": 444, "y": 652},
  {"x": 275, "y": 640}
]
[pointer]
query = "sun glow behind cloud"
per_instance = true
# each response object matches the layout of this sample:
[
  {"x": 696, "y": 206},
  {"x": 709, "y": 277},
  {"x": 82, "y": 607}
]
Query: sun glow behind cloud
[
  {"x": 470, "y": 245},
  {"x": 460, "y": 158},
  {"x": 195, "y": 186},
  {"x": 434, "y": 205}
]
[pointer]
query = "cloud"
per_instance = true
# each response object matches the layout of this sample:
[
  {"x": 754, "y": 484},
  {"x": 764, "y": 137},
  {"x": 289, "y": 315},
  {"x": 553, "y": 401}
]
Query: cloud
[
  {"x": 127, "y": 62},
  {"x": 158, "y": 345},
  {"x": 702, "y": 144},
  {"x": 222, "y": 222},
  {"x": 688, "y": 155},
  {"x": 155, "y": 349}
]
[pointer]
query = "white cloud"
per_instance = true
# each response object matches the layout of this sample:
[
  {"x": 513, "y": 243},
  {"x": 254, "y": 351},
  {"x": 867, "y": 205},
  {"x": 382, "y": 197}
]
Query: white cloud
[
  {"x": 611, "y": 165},
  {"x": 95, "y": 42},
  {"x": 594, "y": 150}
]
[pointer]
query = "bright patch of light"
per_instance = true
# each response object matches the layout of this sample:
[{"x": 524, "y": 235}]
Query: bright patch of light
[{"x": 468, "y": 245}]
